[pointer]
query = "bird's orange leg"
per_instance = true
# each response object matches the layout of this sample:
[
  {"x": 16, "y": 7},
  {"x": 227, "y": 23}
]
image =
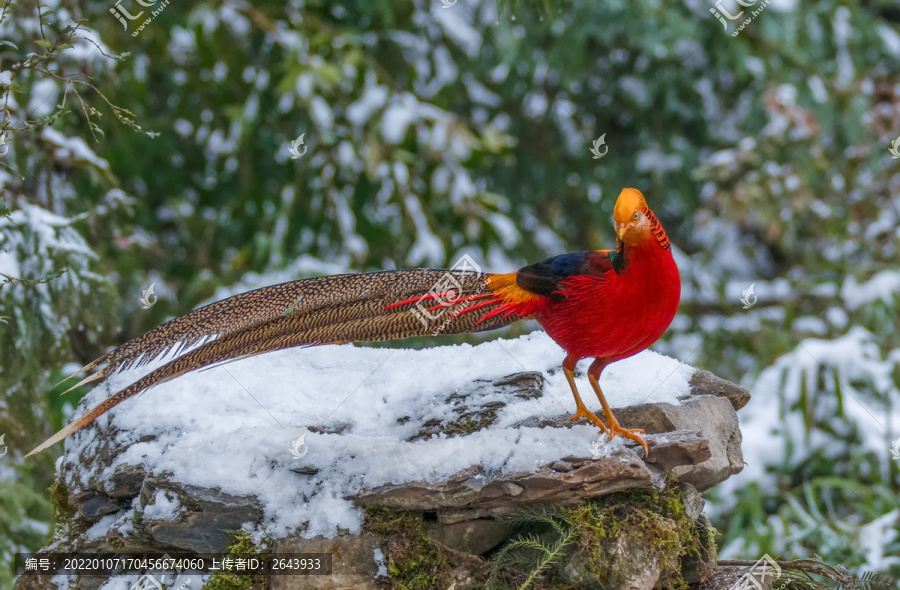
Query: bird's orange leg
[
  {"x": 611, "y": 423},
  {"x": 581, "y": 410}
]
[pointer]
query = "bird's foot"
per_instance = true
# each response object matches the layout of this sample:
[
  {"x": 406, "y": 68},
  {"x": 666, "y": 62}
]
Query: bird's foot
[
  {"x": 583, "y": 412},
  {"x": 632, "y": 433}
]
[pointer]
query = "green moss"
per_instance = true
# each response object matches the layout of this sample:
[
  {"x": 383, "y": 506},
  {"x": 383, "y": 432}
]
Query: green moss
[
  {"x": 470, "y": 423},
  {"x": 577, "y": 547},
  {"x": 413, "y": 560},
  {"x": 65, "y": 525},
  {"x": 243, "y": 546},
  {"x": 657, "y": 519},
  {"x": 549, "y": 539},
  {"x": 59, "y": 496},
  {"x": 464, "y": 424}
]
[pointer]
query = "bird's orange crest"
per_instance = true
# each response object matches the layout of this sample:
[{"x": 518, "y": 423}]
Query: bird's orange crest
[
  {"x": 629, "y": 223},
  {"x": 629, "y": 201}
]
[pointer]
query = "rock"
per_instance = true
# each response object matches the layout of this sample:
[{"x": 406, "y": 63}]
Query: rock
[
  {"x": 475, "y": 494},
  {"x": 92, "y": 505},
  {"x": 353, "y": 563},
  {"x": 561, "y": 466},
  {"x": 636, "y": 564},
  {"x": 475, "y": 407},
  {"x": 476, "y": 537},
  {"x": 511, "y": 488},
  {"x": 205, "y": 523},
  {"x": 705, "y": 383},
  {"x": 697, "y": 440},
  {"x": 678, "y": 449},
  {"x": 527, "y": 385},
  {"x": 102, "y": 498},
  {"x": 700, "y": 568},
  {"x": 333, "y": 428},
  {"x": 36, "y": 582},
  {"x": 693, "y": 501},
  {"x": 632, "y": 564},
  {"x": 126, "y": 481},
  {"x": 713, "y": 416},
  {"x": 728, "y": 578}
]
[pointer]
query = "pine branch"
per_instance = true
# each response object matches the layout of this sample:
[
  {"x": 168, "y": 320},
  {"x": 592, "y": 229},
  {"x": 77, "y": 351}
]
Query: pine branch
[
  {"x": 552, "y": 554},
  {"x": 845, "y": 580},
  {"x": 520, "y": 552}
]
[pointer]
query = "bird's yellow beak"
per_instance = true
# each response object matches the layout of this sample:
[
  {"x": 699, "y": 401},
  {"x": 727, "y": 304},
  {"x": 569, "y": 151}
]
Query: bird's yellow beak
[{"x": 620, "y": 230}]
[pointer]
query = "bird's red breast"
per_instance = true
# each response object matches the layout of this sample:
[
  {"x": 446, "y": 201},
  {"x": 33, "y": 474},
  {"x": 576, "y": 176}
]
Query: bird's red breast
[
  {"x": 607, "y": 304},
  {"x": 615, "y": 316}
]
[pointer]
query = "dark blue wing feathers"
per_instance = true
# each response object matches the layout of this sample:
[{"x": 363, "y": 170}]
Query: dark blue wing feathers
[{"x": 545, "y": 277}]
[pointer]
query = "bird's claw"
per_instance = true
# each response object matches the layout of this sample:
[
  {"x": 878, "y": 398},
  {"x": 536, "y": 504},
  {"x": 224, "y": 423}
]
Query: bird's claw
[
  {"x": 630, "y": 433},
  {"x": 592, "y": 417}
]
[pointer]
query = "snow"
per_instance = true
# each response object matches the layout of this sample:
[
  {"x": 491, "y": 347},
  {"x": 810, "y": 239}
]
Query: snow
[
  {"x": 548, "y": 240},
  {"x": 505, "y": 228},
  {"x": 63, "y": 581},
  {"x": 44, "y": 95},
  {"x": 479, "y": 94},
  {"x": 460, "y": 31},
  {"x": 379, "y": 560},
  {"x": 73, "y": 147},
  {"x": 658, "y": 161},
  {"x": 810, "y": 325},
  {"x": 427, "y": 248},
  {"x": 164, "y": 506},
  {"x": 876, "y": 537},
  {"x": 321, "y": 113},
  {"x": 98, "y": 530},
  {"x": 32, "y": 243},
  {"x": 784, "y": 5},
  {"x": 883, "y": 286},
  {"x": 535, "y": 104},
  {"x": 353, "y": 242},
  {"x": 499, "y": 73},
  {"x": 182, "y": 581},
  {"x": 120, "y": 521},
  {"x": 777, "y": 433},
  {"x": 373, "y": 98},
  {"x": 401, "y": 113},
  {"x": 843, "y": 32},
  {"x": 233, "y": 426},
  {"x": 890, "y": 38},
  {"x": 445, "y": 72}
]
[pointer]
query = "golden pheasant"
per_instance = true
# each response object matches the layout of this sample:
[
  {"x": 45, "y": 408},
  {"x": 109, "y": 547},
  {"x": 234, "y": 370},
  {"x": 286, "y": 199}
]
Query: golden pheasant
[{"x": 605, "y": 304}]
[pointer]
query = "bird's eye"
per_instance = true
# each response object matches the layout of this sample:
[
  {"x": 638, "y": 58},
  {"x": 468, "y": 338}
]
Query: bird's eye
[{"x": 636, "y": 215}]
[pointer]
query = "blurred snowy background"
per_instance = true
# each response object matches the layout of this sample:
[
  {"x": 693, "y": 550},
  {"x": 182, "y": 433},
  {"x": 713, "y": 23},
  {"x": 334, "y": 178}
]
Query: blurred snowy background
[{"x": 160, "y": 155}]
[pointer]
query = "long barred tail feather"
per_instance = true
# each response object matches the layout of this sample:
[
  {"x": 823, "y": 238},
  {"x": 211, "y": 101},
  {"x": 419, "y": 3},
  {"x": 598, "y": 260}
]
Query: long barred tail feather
[
  {"x": 366, "y": 307},
  {"x": 256, "y": 307}
]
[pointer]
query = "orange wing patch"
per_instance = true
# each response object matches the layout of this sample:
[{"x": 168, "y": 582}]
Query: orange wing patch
[{"x": 505, "y": 287}]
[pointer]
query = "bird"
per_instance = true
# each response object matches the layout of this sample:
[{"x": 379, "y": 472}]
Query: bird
[{"x": 605, "y": 305}]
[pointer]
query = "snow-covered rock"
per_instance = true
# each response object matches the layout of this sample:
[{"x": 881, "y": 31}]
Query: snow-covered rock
[{"x": 295, "y": 445}]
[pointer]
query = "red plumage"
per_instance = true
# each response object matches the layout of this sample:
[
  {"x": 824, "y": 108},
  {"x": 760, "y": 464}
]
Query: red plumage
[
  {"x": 607, "y": 305},
  {"x": 615, "y": 316}
]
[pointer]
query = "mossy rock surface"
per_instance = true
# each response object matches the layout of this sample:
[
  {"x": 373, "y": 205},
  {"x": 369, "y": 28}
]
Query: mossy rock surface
[
  {"x": 636, "y": 539},
  {"x": 629, "y": 540},
  {"x": 243, "y": 545}
]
